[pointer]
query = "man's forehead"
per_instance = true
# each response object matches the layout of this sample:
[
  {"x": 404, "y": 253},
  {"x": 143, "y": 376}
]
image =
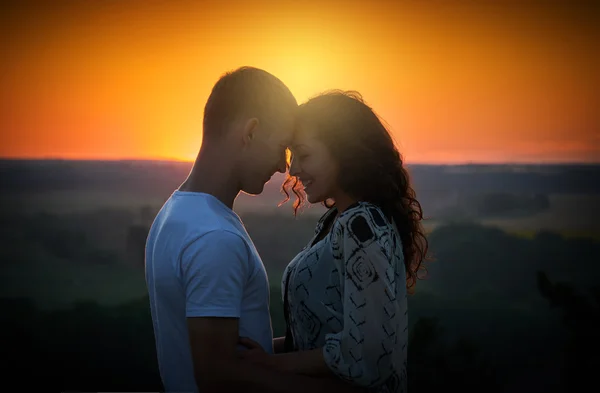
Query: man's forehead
[
  {"x": 284, "y": 135},
  {"x": 286, "y": 141},
  {"x": 281, "y": 128},
  {"x": 280, "y": 138}
]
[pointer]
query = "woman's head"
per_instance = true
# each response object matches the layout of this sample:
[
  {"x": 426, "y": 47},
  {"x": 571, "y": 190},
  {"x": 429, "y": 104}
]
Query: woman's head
[{"x": 342, "y": 148}]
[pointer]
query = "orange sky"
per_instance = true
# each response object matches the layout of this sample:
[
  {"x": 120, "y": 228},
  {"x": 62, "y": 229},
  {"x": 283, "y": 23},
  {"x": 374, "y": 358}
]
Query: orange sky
[{"x": 457, "y": 83}]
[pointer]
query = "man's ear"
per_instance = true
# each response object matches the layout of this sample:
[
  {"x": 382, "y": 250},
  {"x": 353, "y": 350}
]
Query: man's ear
[{"x": 249, "y": 130}]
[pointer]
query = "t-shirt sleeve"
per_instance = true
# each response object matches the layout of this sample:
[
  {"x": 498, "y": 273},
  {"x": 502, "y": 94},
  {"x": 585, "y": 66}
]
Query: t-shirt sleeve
[
  {"x": 362, "y": 352},
  {"x": 215, "y": 268}
]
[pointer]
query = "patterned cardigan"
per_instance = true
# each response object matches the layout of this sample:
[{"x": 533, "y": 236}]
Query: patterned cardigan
[{"x": 346, "y": 293}]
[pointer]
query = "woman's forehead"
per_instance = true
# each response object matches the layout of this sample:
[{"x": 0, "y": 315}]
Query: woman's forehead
[
  {"x": 303, "y": 133},
  {"x": 305, "y": 142}
]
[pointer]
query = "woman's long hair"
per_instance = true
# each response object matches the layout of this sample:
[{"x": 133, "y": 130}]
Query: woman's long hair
[{"x": 371, "y": 169}]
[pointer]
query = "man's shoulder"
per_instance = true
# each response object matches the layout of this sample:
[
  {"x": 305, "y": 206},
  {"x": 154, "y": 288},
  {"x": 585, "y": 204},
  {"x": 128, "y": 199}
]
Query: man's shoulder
[
  {"x": 218, "y": 236},
  {"x": 180, "y": 227},
  {"x": 195, "y": 214},
  {"x": 188, "y": 206},
  {"x": 216, "y": 250},
  {"x": 217, "y": 241}
]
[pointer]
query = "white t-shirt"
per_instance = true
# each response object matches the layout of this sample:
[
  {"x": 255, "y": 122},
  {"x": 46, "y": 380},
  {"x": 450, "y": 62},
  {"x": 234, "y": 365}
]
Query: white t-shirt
[{"x": 201, "y": 262}]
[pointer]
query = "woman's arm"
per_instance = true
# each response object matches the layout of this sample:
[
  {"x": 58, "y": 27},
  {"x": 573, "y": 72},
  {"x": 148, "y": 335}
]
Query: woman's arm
[{"x": 302, "y": 362}]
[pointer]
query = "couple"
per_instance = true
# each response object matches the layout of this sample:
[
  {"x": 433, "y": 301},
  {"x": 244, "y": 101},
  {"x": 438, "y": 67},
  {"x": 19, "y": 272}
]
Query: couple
[{"x": 345, "y": 293}]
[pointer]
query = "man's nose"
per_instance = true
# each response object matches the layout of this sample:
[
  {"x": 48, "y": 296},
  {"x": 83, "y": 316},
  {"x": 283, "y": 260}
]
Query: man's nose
[
  {"x": 282, "y": 165},
  {"x": 294, "y": 167}
]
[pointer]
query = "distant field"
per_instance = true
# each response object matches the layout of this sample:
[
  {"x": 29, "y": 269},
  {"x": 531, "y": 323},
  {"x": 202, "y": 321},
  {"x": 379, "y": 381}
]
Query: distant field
[
  {"x": 568, "y": 214},
  {"x": 84, "y": 201},
  {"x": 81, "y": 201},
  {"x": 530, "y": 234},
  {"x": 483, "y": 311},
  {"x": 55, "y": 283},
  {"x": 106, "y": 217}
]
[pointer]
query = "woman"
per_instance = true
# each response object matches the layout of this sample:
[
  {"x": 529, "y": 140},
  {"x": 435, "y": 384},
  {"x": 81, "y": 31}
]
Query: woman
[{"x": 345, "y": 293}]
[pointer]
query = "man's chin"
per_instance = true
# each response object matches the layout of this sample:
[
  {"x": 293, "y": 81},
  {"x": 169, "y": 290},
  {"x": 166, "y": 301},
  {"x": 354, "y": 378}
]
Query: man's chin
[{"x": 253, "y": 191}]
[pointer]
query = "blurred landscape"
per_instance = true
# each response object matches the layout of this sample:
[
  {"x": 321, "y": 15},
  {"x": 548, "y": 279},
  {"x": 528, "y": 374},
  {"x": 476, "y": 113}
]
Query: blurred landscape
[{"x": 511, "y": 302}]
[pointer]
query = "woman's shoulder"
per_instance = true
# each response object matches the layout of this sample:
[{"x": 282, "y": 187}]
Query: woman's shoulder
[
  {"x": 323, "y": 219},
  {"x": 327, "y": 214},
  {"x": 363, "y": 226},
  {"x": 363, "y": 222},
  {"x": 363, "y": 213}
]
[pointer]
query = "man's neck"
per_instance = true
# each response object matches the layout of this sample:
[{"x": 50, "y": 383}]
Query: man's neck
[{"x": 209, "y": 175}]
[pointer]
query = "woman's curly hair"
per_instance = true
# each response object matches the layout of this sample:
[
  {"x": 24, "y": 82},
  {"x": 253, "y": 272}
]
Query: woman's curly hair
[{"x": 371, "y": 168}]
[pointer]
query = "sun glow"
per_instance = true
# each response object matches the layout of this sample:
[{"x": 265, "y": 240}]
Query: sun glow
[{"x": 452, "y": 82}]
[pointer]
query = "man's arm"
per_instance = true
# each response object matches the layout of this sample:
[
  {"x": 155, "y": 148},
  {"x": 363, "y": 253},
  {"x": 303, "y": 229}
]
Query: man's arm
[
  {"x": 279, "y": 345},
  {"x": 217, "y": 368},
  {"x": 214, "y": 271},
  {"x": 307, "y": 362}
]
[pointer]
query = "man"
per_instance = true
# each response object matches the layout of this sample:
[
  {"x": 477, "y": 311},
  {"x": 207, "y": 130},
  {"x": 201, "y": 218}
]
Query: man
[{"x": 206, "y": 281}]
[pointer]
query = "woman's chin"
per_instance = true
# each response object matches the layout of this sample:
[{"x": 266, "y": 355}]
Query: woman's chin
[{"x": 312, "y": 198}]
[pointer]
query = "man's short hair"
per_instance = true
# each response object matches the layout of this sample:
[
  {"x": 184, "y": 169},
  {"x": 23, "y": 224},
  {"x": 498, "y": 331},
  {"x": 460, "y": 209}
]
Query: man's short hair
[{"x": 245, "y": 92}]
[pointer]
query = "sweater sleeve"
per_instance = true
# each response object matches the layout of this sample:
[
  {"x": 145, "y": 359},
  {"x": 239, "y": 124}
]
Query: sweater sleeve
[{"x": 363, "y": 351}]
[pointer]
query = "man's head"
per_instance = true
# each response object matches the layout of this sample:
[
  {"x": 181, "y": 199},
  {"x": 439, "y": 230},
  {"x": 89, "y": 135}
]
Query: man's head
[{"x": 252, "y": 113}]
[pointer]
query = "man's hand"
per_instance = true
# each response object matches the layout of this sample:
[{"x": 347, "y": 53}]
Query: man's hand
[
  {"x": 254, "y": 353},
  {"x": 218, "y": 368},
  {"x": 279, "y": 345}
]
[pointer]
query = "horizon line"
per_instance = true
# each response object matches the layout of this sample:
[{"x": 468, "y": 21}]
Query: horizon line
[{"x": 182, "y": 161}]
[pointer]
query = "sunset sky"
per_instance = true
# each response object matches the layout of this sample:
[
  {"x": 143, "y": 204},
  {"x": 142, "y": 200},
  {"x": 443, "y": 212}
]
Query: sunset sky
[{"x": 457, "y": 81}]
